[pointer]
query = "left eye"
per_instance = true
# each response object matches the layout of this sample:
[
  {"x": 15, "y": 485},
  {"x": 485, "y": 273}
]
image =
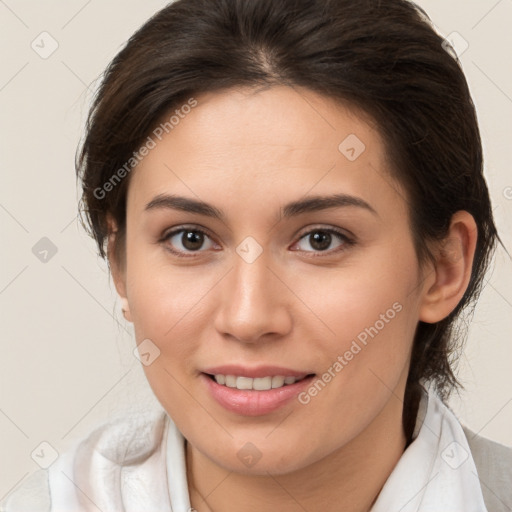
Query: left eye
[
  {"x": 321, "y": 239},
  {"x": 188, "y": 240}
]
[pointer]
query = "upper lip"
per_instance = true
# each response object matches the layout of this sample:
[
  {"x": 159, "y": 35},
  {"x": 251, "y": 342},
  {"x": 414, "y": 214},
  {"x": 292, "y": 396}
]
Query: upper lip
[{"x": 257, "y": 371}]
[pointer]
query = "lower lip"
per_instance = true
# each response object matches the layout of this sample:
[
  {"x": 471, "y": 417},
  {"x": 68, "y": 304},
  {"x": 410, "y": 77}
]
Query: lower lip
[{"x": 251, "y": 402}]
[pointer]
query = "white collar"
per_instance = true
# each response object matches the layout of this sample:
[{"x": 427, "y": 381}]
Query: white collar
[
  {"x": 140, "y": 463},
  {"x": 436, "y": 472}
]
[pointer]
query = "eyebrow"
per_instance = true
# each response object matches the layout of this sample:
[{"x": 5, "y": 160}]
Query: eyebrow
[{"x": 306, "y": 205}]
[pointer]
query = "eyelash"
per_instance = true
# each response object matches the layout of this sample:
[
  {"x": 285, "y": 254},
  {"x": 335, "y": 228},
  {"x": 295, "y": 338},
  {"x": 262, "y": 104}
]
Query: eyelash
[{"x": 347, "y": 242}]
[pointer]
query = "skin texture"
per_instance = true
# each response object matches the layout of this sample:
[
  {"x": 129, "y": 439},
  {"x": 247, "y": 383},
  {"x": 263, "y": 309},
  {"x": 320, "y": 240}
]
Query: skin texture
[{"x": 297, "y": 306}]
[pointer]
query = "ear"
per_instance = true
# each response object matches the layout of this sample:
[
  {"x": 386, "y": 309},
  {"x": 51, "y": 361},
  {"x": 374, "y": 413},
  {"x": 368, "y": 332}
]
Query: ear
[
  {"x": 117, "y": 267},
  {"x": 449, "y": 279}
]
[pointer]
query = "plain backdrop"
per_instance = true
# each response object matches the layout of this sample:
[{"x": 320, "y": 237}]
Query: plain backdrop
[{"x": 66, "y": 360}]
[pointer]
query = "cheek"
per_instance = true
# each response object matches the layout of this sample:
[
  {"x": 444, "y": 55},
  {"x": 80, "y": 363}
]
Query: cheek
[
  {"x": 372, "y": 313},
  {"x": 165, "y": 302},
  {"x": 170, "y": 304},
  {"x": 374, "y": 292},
  {"x": 158, "y": 293},
  {"x": 363, "y": 366}
]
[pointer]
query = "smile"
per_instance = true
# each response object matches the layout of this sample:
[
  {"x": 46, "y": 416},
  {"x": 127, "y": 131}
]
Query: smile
[
  {"x": 256, "y": 384},
  {"x": 256, "y": 391}
]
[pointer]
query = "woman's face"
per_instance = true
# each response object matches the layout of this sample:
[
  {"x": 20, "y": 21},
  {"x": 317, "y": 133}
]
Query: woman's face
[{"x": 266, "y": 239}]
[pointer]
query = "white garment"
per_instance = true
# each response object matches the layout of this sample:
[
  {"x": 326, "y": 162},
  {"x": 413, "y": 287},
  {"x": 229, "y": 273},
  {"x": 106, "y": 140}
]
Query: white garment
[
  {"x": 436, "y": 472},
  {"x": 139, "y": 465}
]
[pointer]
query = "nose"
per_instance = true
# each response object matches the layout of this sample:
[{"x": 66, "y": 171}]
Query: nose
[{"x": 254, "y": 303}]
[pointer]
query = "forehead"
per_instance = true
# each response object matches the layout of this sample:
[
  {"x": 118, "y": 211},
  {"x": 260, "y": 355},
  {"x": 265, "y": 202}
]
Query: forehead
[{"x": 245, "y": 145}]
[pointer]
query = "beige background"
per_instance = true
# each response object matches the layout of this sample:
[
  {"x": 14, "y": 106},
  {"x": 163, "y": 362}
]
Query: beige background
[{"x": 67, "y": 361}]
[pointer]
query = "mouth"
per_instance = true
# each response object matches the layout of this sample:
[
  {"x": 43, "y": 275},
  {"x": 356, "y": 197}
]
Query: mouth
[
  {"x": 254, "y": 392},
  {"x": 257, "y": 383}
]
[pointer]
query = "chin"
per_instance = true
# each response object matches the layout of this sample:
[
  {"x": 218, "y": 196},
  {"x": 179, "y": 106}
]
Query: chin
[{"x": 260, "y": 457}]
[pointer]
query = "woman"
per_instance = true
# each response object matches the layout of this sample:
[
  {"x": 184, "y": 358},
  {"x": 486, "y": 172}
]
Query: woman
[{"x": 291, "y": 200}]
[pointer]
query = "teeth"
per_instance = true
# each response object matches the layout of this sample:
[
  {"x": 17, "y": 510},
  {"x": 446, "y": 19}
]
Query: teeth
[
  {"x": 277, "y": 381},
  {"x": 230, "y": 381},
  {"x": 262, "y": 383},
  {"x": 258, "y": 384},
  {"x": 244, "y": 383}
]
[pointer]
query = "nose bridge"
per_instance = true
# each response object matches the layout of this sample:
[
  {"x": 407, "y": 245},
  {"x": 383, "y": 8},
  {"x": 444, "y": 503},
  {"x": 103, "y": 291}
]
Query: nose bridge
[
  {"x": 251, "y": 280},
  {"x": 252, "y": 303}
]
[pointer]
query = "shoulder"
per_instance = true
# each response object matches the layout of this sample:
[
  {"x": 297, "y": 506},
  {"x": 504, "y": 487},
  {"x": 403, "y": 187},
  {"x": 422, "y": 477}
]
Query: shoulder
[
  {"x": 493, "y": 463},
  {"x": 128, "y": 441}
]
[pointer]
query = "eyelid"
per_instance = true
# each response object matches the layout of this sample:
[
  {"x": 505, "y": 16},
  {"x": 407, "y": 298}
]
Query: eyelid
[
  {"x": 322, "y": 227},
  {"x": 192, "y": 227}
]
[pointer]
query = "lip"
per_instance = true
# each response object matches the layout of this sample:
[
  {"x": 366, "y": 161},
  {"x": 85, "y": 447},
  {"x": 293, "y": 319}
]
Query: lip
[
  {"x": 252, "y": 402},
  {"x": 258, "y": 371}
]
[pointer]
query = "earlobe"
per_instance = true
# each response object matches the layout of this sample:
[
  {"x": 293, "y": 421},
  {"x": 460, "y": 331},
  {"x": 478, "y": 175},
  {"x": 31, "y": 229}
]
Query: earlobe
[
  {"x": 115, "y": 268},
  {"x": 124, "y": 304},
  {"x": 452, "y": 270},
  {"x": 125, "y": 307}
]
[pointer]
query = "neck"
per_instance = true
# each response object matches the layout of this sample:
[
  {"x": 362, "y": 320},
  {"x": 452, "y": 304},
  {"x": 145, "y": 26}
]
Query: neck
[{"x": 349, "y": 478}]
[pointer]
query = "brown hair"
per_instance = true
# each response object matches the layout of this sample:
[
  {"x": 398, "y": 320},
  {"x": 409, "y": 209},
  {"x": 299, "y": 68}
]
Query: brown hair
[{"x": 381, "y": 57}]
